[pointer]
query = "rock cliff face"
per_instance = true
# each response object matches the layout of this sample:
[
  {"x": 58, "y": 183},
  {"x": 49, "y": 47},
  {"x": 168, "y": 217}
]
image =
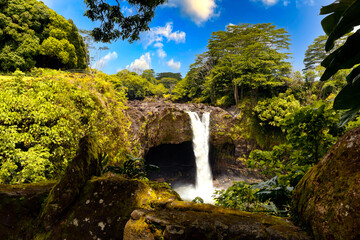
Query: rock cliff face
[
  {"x": 162, "y": 131},
  {"x": 327, "y": 199}
]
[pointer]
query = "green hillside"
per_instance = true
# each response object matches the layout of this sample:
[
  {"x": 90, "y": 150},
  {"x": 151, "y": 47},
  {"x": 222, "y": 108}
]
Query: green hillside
[{"x": 32, "y": 35}]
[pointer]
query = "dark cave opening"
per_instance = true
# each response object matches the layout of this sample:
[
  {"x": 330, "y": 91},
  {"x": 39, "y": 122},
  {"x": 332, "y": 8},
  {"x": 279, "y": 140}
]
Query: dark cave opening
[{"x": 176, "y": 162}]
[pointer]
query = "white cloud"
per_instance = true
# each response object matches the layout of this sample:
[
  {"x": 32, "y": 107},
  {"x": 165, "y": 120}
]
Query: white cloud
[
  {"x": 161, "y": 53},
  {"x": 199, "y": 11},
  {"x": 157, "y": 35},
  {"x": 304, "y": 2},
  {"x": 298, "y": 3},
  {"x": 104, "y": 60},
  {"x": 286, "y": 2},
  {"x": 174, "y": 65},
  {"x": 267, "y": 2},
  {"x": 127, "y": 11},
  {"x": 159, "y": 45},
  {"x": 141, "y": 64}
]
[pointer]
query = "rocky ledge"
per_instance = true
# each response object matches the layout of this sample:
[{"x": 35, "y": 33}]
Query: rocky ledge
[{"x": 120, "y": 208}]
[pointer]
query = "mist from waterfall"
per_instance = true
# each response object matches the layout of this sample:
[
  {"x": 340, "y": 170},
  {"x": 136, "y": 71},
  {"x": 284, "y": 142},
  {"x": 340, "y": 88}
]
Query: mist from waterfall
[{"x": 204, "y": 185}]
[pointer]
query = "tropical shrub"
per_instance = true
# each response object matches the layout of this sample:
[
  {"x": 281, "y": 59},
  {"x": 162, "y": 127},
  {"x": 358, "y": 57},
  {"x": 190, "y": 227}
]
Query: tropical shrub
[{"x": 43, "y": 118}]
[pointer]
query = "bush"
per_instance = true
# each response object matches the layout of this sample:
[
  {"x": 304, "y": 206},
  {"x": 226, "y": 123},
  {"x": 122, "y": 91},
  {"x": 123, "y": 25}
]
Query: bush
[
  {"x": 42, "y": 120},
  {"x": 239, "y": 196}
]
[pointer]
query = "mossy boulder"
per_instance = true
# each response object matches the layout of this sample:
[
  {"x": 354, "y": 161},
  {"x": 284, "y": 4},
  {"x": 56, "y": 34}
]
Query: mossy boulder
[
  {"x": 85, "y": 165},
  {"x": 187, "y": 220},
  {"x": 20, "y": 205},
  {"x": 327, "y": 199},
  {"x": 104, "y": 206}
]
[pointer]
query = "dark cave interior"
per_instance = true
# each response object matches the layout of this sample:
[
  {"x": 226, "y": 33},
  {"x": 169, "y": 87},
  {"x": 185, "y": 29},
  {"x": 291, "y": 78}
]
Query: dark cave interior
[{"x": 176, "y": 163}]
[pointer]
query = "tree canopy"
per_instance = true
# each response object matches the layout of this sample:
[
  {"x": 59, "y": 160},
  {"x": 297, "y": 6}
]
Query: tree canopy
[
  {"x": 114, "y": 23},
  {"x": 32, "y": 35},
  {"x": 246, "y": 57}
]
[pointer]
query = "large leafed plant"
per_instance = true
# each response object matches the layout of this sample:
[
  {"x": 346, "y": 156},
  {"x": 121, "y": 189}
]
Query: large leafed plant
[{"x": 343, "y": 17}]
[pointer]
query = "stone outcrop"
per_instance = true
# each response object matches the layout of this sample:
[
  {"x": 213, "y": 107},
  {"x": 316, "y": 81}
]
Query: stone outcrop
[
  {"x": 120, "y": 208},
  {"x": 104, "y": 206},
  {"x": 327, "y": 199},
  {"x": 85, "y": 165},
  {"x": 187, "y": 220}
]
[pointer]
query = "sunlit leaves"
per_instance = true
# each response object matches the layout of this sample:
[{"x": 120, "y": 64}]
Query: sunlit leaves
[
  {"x": 25, "y": 25},
  {"x": 42, "y": 120},
  {"x": 273, "y": 111}
]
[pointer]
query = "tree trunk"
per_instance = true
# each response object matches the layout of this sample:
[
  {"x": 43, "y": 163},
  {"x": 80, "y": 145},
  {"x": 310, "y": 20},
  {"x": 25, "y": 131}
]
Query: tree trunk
[{"x": 236, "y": 94}]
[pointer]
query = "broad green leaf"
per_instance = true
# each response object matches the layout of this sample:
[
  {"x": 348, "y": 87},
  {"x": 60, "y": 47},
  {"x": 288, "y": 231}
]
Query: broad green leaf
[
  {"x": 348, "y": 97},
  {"x": 343, "y": 58},
  {"x": 329, "y": 23},
  {"x": 354, "y": 75},
  {"x": 339, "y": 6},
  {"x": 350, "y": 19}
]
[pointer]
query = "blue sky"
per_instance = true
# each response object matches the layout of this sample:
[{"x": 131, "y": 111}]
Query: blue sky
[{"x": 181, "y": 29}]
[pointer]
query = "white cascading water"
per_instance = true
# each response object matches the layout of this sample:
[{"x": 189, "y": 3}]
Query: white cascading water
[{"x": 204, "y": 185}]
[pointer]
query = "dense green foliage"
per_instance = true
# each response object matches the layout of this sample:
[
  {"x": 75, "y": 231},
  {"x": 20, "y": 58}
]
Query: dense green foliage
[
  {"x": 115, "y": 24},
  {"x": 137, "y": 87},
  {"x": 247, "y": 59},
  {"x": 271, "y": 111},
  {"x": 43, "y": 118},
  {"x": 240, "y": 196},
  {"x": 33, "y": 35},
  {"x": 267, "y": 196},
  {"x": 312, "y": 130}
]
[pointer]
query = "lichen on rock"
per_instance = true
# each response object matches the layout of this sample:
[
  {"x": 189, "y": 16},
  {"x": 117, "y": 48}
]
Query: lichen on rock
[
  {"x": 186, "y": 220},
  {"x": 104, "y": 206}
]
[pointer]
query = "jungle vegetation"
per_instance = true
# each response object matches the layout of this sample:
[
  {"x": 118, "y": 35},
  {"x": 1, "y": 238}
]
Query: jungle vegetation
[
  {"x": 291, "y": 117},
  {"x": 32, "y": 35}
]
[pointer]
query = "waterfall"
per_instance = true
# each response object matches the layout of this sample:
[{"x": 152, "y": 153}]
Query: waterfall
[{"x": 204, "y": 186}]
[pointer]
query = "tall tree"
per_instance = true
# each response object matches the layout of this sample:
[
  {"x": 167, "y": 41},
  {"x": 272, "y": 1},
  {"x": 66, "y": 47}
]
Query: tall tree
[
  {"x": 114, "y": 23},
  {"x": 315, "y": 53},
  {"x": 246, "y": 57}
]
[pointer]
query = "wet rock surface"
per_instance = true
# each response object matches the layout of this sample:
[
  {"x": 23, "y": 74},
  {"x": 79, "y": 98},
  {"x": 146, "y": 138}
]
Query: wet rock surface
[{"x": 327, "y": 199}]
